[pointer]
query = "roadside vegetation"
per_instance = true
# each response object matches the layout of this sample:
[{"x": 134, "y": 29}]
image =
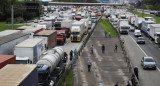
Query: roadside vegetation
[
  {"x": 108, "y": 27},
  {"x": 145, "y": 15},
  {"x": 68, "y": 79},
  {"x": 4, "y": 26}
]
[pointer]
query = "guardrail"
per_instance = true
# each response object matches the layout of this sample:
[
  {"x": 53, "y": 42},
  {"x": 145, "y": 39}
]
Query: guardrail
[
  {"x": 71, "y": 64},
  {"x": 126, "y": 57}
]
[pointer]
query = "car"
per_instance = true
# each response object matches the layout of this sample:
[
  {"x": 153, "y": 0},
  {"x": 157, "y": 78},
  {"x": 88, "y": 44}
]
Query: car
[
  {"x": 148, "y": 62},
  {"x": 140, "y": 40},
  {"x": 137, "y": 33},
  {"x": 131, "y": 28}
]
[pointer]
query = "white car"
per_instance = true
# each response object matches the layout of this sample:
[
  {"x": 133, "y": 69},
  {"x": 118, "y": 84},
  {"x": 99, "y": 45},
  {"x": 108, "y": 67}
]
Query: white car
[{"x": 148, "y": 62}]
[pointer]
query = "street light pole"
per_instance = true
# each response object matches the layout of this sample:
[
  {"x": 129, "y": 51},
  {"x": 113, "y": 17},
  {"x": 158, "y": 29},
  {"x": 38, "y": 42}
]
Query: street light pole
[
  {"x": 12, "y": 15},
  {"x": 143, "y": 9}
]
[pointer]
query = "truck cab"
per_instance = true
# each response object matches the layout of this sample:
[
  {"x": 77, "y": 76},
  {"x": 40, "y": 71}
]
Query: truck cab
[
  {"x": 75, "y": 34},
  {"x": 23, "y": 60},
  {"x": 67, "y": 31},
  {"x": 60, "y": 38}
]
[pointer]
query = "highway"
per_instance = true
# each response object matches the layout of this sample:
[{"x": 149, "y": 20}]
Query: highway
[{"x": 136, "y": 52}]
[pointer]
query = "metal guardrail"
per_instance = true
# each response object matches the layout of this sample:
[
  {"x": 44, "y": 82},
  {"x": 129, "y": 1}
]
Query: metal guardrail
[
  {"x": 126, "y": 57},
  {"x": 71, "y": 64}
]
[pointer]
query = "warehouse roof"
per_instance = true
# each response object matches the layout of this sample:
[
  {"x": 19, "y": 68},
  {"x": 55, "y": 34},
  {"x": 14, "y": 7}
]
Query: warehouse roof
[
  {"x": 10, "y": 37},
  {"x": 13, "y": 75},
  {"x": 45, "y": 33},
  {"x": 29, "y": 42}
]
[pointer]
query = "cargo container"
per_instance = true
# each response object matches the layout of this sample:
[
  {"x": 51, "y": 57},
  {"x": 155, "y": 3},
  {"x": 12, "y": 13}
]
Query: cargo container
[
  {"x": 32, "y": 48},
  {"x": 154, "y": 32},
  {"x": 19, "y": 75},
  {"x": 7, "y": 59},
  {"x": 49, "y": 36},
  {"x": 46, "y": 25},
  {"x": 8, "y": 32},
  {"x": 32, "y": 30},
  {"x": 9, "y": 40},
  {"x": 23, "y": 27}
]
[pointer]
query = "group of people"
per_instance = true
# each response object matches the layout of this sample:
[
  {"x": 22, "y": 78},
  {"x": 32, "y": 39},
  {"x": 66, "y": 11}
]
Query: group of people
[{"x": 109, "y": 34}]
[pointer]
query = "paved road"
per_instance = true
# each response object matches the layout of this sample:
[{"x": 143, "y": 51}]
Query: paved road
[
  {"x": 135, "y": 53},
  {"x": 106, "y": 68}
]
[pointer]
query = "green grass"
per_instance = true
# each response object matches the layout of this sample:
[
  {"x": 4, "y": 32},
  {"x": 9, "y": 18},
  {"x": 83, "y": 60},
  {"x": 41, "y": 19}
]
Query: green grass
[
  {"x": 108, "y": 27},
  {"x": 145, "y": 15},
  {"x": 4, "y": 26},
  {"x": 68, "y": 79}
]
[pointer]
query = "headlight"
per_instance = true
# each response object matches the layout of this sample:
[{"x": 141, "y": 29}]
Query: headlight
[{"x": 78, "y": 36}]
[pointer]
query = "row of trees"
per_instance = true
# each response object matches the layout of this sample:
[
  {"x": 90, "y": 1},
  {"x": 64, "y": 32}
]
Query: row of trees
[{"x": 85, "y": 1}]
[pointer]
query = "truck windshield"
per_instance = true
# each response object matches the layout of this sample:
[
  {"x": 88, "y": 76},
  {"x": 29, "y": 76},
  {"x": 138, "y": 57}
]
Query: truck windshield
[
  {"x": 21, "y": 62},
  {"x": 124, "y": 27},
  {"x": 75, "y": 33},
  {"x": 59, "y": 36}
]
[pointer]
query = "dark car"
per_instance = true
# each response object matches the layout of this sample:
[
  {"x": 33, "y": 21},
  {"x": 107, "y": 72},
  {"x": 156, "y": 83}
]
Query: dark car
[{"x": 140, "y": 40}]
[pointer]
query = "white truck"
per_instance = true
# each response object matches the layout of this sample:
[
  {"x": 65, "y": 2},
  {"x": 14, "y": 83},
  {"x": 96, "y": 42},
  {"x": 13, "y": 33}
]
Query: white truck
[
  {"x": 77, "y": 31},
  {"x": 86, "y": 23},
  {"x": 123, "y": 26},
  {"x": 46, "y": 25},
  {"x": 154, "y": 31},
  {"x": 138, "y": 22},
  {"x": 29, "y": 51}
]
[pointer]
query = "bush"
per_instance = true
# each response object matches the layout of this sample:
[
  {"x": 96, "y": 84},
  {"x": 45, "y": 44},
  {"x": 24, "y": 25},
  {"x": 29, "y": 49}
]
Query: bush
[{"x": 19, "y": 20}]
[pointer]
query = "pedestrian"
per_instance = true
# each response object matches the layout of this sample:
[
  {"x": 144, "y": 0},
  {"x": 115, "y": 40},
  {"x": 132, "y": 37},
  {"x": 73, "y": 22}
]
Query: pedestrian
[
  {"x": 91, "y": 49},
  {"x": 103, "y": 48},
  {"x": 109, "y": 34},
  {"x": 133, "y": 81},
  {"x": 116, "y": 84},
  {"x": 115, "y": 49},
  {"x": 71, "y": 55},
  {"x": 136, "y": 71},
  {"x": 89, "y": 65},
  {"x": 128, "y": 83},
  {"x": 75, "y": 52},
  {"x": 105, "y": 33}
]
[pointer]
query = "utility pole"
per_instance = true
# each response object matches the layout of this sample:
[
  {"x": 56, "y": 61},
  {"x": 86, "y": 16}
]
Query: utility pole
[
  {"x": 12, "y": 14},
  {"x": 142, "y": 8}
]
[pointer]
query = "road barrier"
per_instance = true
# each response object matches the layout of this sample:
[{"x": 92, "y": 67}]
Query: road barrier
[
  {"x": 71, "y": 64},
  {"x": 126, "y": 57}
]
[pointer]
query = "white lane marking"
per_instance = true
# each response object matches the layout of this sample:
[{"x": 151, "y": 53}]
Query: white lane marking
[
  {"x": 138, "y": 46},
  {"x": 142, "y": 51}
]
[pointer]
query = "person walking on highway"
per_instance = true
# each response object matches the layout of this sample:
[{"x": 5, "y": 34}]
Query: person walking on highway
[
  {"x": 136, "y": 71},
  {"x": 116, "y": 84},
  {"x": 109, "y": 34},
  {"x": 89, "y": 65},
  {"x": 71, "y": 55},
  {"x": 133, "y": 81},
  {"x": 103, "y": 48},
  {"x": 91, "y": 49},
  {"x": 105, "y": 33},
  {"x": 128, "y": 83},
  {"x": 115, "y": 49},
  {"x": 75, "y": 52}
]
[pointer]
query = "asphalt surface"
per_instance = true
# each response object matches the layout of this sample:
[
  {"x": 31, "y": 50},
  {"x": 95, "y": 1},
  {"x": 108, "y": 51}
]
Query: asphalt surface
[
  {"x": 107, "y": 68},
  {"x": 135, "y": 53}
]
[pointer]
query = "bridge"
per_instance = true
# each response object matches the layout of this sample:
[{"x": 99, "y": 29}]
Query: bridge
[{"x": 83, "y": 4}]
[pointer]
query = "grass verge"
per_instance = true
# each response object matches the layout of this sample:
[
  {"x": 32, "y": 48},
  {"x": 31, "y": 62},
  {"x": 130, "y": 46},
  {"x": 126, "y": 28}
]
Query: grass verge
[
  {"x": 4, "y": 26},
  {"x": 108, "y": 27},
  {"x": 68, "y": 79},
  {"x": 145, "y": 15}
]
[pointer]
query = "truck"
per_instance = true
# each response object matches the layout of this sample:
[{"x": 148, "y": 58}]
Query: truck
[
  {"x": 49, "y": 37},
  {"x": 146, "y": 26},
  {"x": 51, "y": 67},
  {"x": 46, "y": 25},
  {"x": 123, "y": 26},
  {"x": 31, "y": 48},
  {"x": 19, "y": 75},
  {"x": 77, "y": 31},
  {"x": 132, "y": 19},
  {"x": 66, "y": 25},
  {"x": 61, "y": 37},
  {"x": 86, "y": 22},
  {"x": 154, "y": 32},
  {"x": 7, "y": 59},
  {"x": 138, "y": 22}
]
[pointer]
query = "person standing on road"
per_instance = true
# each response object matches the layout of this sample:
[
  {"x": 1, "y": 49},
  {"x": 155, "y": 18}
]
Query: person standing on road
[
  {"x": 103, "y": 48},
  {"x": 128, "y": 83},
  {"x": 71, "y": 55},
  {"x": 89, "y": 65},
  {"x": 109, "y": 34},
  {"x": 136, "y": 71},
  {"x": 115, "y": 49},
  {"x": 105, "y": 33},
  {"x": 116, "y": 84},
  {"x": 91, "y": 49},
  {"x": 133, "y": 81},
  {"x": 75, "y": 52}
]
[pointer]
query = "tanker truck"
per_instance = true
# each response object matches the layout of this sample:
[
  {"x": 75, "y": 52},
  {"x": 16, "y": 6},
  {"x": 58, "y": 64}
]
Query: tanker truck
[{"x": 51, "y": 67}]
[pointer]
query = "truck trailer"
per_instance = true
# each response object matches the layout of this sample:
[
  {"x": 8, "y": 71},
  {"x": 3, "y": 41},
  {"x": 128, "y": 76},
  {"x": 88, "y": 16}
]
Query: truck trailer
[
  {"x": 19, "y": 75},
  {"x": 154, "y": 32},
  {"x": 31, "y": 48},
  {"x": 123, "y": 26},
  {"x": 7, "y": 59}
]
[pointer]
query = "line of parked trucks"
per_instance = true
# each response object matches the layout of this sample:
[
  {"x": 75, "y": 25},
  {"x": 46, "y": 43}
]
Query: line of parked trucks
[
  {"x": 32, "y": 49},
  {"x": 126, "y": 21}
]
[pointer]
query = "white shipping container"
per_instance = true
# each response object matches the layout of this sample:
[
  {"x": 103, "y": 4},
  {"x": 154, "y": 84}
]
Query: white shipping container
[
  {"x": 32, "y": 48},
  {"x": 154, "y": 31}
]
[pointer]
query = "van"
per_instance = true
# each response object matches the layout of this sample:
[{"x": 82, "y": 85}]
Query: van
[{"x": 137, "y": 33}]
